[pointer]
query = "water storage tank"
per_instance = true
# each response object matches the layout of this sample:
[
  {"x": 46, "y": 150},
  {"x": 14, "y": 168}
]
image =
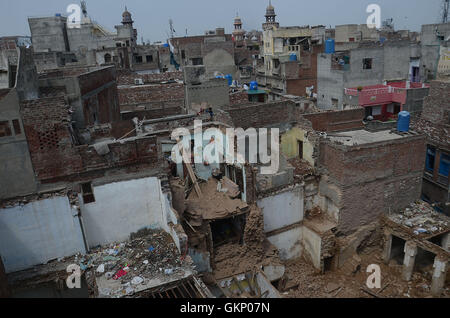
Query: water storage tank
[
  {"x": 329, "y": 46},
  {"x": 165, "y": 45},
  {"x": 253, "y": 86},
  {"x": 403, "y": 121},
  {"x": 229, "y": 77},
  {"x": 293, "y": 57}
]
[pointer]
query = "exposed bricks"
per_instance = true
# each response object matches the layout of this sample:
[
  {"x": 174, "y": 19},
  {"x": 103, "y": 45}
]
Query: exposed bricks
[
  {"x": 239, "y": 98},
  {"x": 136, "y": 95},
  {"x": 336, "y": 121},
  {"x": 127, "y": 77},
  {"x": 263, "y": 115},
  {"x": 54, "y": 155},
  {"x": 374, "y": 178}
]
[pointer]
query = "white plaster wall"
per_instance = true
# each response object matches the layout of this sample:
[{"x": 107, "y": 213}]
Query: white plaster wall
[
  {"x": 38, "y": 232},
  {"x": 282, "y": 209},
  {"x": 288, "y": 243},
  {"x": 123, "y": 208},
  {"x": 312, "y": 246}
]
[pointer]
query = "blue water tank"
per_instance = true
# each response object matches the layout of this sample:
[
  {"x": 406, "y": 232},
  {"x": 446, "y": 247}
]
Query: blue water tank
[
  {"x": 329, "y": 46},
  {"x": 253, "y": 86},
  {"x": 293, "y": 57},
  {"x": 165, "y": 45},
  {"x": 229, "y": 77},
  {"x": 404, "y": 119}
]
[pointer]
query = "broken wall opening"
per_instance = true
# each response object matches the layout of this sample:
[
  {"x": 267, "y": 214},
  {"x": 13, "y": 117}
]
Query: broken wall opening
[
  {"x": 424, "y": 261},
  {"x": 229, "y": 230},
  {"x": 397, "y": 249}
]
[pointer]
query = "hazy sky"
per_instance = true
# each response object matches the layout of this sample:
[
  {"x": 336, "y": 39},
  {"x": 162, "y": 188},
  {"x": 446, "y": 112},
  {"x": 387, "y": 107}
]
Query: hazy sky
[{"x": 151, "y": 16}]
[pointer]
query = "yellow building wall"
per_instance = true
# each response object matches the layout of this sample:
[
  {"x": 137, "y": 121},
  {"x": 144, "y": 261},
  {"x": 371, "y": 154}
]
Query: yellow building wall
[{"x": 289, "y": 145}]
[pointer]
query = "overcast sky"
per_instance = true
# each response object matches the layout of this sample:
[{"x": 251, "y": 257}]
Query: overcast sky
[{"x": 151, "y": 16}]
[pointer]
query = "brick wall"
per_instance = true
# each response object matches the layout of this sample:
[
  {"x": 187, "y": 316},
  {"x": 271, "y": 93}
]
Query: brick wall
[
  {"x": 56, "y": 158},
  {"x": 436, "y": 106},
  {"x": 150, "y": 93},
  {"x": 263, "y": 115},
  {"x": 152, "y": 113},
  {"x": 46, "y": 123},
  {"x": 127, "y": 77},
  {"x": 374, "y": 178},
  {"x": 239, "y": 98},
  {"x": 336, "y": 121}
]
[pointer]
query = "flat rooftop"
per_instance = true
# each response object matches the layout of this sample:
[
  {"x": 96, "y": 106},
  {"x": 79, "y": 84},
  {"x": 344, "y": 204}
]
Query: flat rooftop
[{"x": 362, "y": 137}]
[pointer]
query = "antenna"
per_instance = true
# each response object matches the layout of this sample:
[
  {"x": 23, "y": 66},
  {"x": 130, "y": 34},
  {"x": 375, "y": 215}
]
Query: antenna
[{"x": 445, "y": 10}]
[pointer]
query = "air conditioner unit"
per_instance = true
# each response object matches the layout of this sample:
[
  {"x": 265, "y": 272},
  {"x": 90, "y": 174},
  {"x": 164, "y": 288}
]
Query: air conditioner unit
[{"x": 138, "y": 81}]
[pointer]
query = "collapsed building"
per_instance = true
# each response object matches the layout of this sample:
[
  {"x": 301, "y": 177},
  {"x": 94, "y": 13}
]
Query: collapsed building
[{"x": 89, "y": 179}]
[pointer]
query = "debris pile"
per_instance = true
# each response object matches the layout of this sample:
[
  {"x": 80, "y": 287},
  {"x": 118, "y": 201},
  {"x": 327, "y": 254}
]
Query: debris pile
[
  {"x": 232, "y": 259},
  {"x": 302, "y": 168},
  {"x": 421, "y": 218},
  {"x": 214, "y": 204},
  {"x": 123, "y": 267}
]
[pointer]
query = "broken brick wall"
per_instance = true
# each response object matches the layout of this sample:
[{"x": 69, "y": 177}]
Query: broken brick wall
[
  {"x": 46, "y": 123},
  {"x": 54, "y": 155},
  {"x": 337, "y": 120},
  {"x": 375, "y": 178}
]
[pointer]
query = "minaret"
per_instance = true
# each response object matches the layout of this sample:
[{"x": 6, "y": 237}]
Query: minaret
[
  {"x": 238, "y": 32},
  {"x": 126, "y": 18},
  {"x": 270, "y": 17}
]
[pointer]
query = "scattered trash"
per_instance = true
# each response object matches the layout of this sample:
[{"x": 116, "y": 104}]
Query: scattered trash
[
  {"x": 137, "y": 280},
  {"x": 101, "y": 268}
]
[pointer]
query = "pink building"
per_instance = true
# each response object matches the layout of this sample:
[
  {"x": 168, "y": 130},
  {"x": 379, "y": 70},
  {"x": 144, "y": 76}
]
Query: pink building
[{"x": 384, "y": 102}]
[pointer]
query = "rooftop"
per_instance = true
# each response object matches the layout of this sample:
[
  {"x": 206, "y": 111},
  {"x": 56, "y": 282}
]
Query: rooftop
[{"x": 363, "y": 137}]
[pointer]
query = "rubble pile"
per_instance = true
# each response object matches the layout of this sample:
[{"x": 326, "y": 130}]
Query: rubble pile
[
  {"x": 422, "y": 219},
  {"x": 302, "y": 168},
  {"x": 147, "y": 255}
]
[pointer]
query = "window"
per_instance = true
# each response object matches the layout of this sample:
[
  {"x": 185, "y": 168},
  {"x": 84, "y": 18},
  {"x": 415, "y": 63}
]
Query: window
[
  {"x": 138, "y": 59},
  {"x": 300, "y": 149},
  {"x": 16, "y": 125},
  {"x": 5, "y": 129},
  {"x": 334, "y": 102},
  {"x": 149, "y": 58},
  {"x": 183, "y": 54},
  {"x": 197, "y": 61},
  {"x": 367, "y": 64},
  {"x": 376, "y": 110},
  {"x": 430, "y": 159},
  {"x": 444, "y": 167},
  {"x": 107, "y": 58},
  {"x": 88, "y": 194}
]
